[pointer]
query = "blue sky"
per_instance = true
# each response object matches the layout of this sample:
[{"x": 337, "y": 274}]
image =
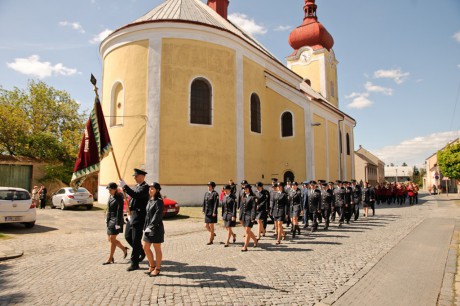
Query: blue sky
[{"x": 399, "y": 70}]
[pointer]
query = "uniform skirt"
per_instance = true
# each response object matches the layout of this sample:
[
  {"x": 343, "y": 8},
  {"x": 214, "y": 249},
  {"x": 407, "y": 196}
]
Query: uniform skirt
[
  {"x": 156, "y": 236},
  {"x": 111, "y": 228},
  {"x": 228, "y": 221},
  {"x": 261, "y": 215},
  {"x": 295, "y": 211},
  {"x": 279, "y": 215},
  {"x": 210, "y": 219},
  {"x": 247, "y": 222},
  {"x": 366, "y": 204}
]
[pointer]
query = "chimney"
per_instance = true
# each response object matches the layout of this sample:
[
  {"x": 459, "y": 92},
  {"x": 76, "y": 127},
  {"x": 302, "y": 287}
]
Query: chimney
[{"x": 220, "y": 6}]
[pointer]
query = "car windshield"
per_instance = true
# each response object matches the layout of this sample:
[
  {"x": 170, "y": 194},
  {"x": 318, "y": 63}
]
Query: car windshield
[{"x": 14, "y": 195}]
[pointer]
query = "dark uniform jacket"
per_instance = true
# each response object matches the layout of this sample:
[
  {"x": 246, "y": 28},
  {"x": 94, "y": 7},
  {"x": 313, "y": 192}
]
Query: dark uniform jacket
[
  {"x": 368, "y": 194},
  {"x": 240, "y": 197},
  {"x": 248, "y": 207},
  {"x": 357, "y": 194},
  {"x": 339, "y": 196},
  {"x": 326, "y": 200},
  {"x": 295, "y": 200},
  {"x": 280, "y": 203},
  {"x": 115, "y": 211},
  {"x": 138, "y": 203},
  {"x": 348, "y": 196},
  {"x": 262, "y": 200},
  {"x": 154, "y": 216},
  {"x": 304, "y": 198},
  {"x": 210, "y": 203},
  {"x": 314, "y": 200},
  {"x": 229, "y": 207}
]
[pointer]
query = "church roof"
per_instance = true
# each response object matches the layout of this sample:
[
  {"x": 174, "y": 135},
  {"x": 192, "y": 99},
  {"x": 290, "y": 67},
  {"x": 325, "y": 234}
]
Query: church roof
[{"x": 195, "y": 11}]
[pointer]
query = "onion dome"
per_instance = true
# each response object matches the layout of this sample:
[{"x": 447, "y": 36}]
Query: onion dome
[{"x": 311, "y": 32}]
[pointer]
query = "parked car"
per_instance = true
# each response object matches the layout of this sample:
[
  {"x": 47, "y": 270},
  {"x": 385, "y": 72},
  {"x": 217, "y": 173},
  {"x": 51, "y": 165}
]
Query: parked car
[
  {"x": 171, "y": 207},
  {"x": 16, "y": 206},
  {"x": 67, "y": 197}
]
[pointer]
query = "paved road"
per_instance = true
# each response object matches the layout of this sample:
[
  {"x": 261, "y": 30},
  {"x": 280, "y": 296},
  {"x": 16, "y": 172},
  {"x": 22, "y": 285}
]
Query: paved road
[{"x": 63, "y": 256}]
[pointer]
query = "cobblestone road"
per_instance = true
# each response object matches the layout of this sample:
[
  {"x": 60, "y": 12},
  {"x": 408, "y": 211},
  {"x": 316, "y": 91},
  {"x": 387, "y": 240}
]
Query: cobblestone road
[{"x": 62, "y": 262}]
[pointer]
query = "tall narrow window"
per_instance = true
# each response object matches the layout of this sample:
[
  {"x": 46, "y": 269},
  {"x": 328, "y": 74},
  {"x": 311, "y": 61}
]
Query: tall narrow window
[
  {"x": 255, "y": 114},
  {"x": 200, "y": 102},
  {"x": 348, "y": 144},
  {"x": 332, "y": 89},
  {"x": 117, "y": 106},
  {"x": 287, "y": 127}
]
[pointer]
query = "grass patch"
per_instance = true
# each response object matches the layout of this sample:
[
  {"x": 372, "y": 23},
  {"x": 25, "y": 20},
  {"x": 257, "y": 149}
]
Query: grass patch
[{"x": 3, "y": 236}]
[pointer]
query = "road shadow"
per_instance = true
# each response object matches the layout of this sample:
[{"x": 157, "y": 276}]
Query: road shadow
[
  {"x": 19, "y": 229},
  {"x": 7, "y": 298},
  {"x": 176, "y": 217},
  {"x": 208, "y": 276}
]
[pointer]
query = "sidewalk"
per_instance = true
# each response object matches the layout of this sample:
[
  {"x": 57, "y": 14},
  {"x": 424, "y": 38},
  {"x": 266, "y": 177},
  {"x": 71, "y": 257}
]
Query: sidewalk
[{"x": 9, "y": 253}]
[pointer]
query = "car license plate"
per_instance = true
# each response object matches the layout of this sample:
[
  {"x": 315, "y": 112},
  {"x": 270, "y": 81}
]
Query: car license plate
[
  {"x": 171, "y": 210},
  {"x": 12, "y": 219}
]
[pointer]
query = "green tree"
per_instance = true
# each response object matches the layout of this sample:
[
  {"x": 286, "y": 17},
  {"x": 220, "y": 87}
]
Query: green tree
[
  {"x": 404, "y": 164},
  {"x": 449, "y": 161},
  {"x": 41, "y": 122}
]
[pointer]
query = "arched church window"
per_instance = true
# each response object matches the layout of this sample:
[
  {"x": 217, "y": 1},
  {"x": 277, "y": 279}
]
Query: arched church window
[
  {"x": 256, "y": 125},
  {"x": 201, "y": 102},
  {"x": 287, "y": 126},
  {"x": 348, "y": 144},
  {"x": 117, "y": 105}
]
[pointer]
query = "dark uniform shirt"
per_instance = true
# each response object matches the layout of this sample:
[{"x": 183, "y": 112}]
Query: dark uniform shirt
[
  {"x": 210, "y": 203},
  {"x": 138, "y": 203},
  {"x": 339, "y": 196}
]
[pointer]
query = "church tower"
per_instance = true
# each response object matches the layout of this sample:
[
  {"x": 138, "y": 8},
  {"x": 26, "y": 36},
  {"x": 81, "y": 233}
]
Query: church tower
[{"x": 313, "y": 57}]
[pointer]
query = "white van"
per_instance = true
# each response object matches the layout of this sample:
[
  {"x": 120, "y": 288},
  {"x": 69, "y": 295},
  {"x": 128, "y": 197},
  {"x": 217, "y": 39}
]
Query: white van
[{"x": 16, "y": 207}]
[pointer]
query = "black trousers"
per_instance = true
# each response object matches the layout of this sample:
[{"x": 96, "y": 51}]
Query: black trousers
[
  {"x": 356, "y": 211},
  {"x": 316, "y": 216},
  {"x": 326, "y": 214},
  {"x": 346, "y": 213},
  {"x": 133, "y": 236}
]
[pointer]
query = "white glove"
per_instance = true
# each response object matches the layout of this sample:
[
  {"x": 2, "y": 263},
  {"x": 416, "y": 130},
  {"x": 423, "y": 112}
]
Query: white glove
[
  {"x": 147, "y": 230},
  {"x": 117, "y": 227},
  {"x": 122, "y": 183}
]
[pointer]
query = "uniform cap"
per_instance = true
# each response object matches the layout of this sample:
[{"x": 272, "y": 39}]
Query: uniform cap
[
  {"x": 312, "y": 182},
  {"x": 212, "y": 184},
  {"x": 259, "y": 184},
  {"x": 274, "y": 179},
  {"x": 338, "y": 181},
  {"x": 331, "y": 183},
  {"x": 321, "y": 181},
  {"x": 228, "y": 187},
  {"x": 112, "y": 186},
  {"x": 306, "y": 183},
  {"x": 244, "y": 182},
  {"x": 353, "y": 181},
  {"x": 295, "y": 184},
  {"x": 247, "y": 186},
  {"x": 324, "y": 184},
  {"x": 139, "y": 172},
  {"x": 155, "y": 185}
]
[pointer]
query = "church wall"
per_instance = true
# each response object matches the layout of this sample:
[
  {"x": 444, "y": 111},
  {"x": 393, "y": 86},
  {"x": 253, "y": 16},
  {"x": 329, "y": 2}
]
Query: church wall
[
  {"x": 333, "y": 150},
  {"x": 310, "y": 71},
  {"x": 128, "y": 66},
  {"x": 194, "y": 154},
  {"x": 320, "y": 148},
  {"x": 331, "y": 75}
]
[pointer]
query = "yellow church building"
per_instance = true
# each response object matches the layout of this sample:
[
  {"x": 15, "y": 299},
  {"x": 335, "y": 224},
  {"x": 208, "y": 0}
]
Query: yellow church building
[{"x": 191, "y": 98}]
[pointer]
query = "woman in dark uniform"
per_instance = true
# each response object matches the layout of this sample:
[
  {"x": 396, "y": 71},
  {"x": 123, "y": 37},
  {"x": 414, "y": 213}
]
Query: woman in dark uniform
[
  {"x": 154, "y": 231},
  {"x": 210, "y": 205},
  {"x": 278, "y": 211},
  {"x": 229, "y": 213},
  {"x": 114, "y": 221},
  {"x": 248, "y": 216},
  {"x": 295, "y": 200},
  {"x": 262, "y": 200},
  {"x": 368, "y": 195}
]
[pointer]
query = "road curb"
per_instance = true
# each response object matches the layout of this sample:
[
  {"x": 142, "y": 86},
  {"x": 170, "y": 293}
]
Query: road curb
[{"x": 7, "y": 253}]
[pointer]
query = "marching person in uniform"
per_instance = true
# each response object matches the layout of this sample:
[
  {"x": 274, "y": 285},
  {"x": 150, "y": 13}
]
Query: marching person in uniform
[
  {"x": 357, "y": 195},
  {"x": 295, "y": 205},
  {"x": 262, "y": 202},
  {"x": 278, "y": 211},
  {"x": 114, "y": 221},
  {"x": 368, "y": 195},
  {"x": 339, "y": 199},
  {"x": 241, "y": 193},
  {"x": 210, "y": 206},
  {"x": 314, "y": 204},
  {"x": 137, "y": 206},
  {"x": 326, "y": 203},
  {"x": 348, "y": 200},
  {"x": 154, "y": 231},
  {"x": 229, "y": 213},
  {"x": 248, "y": 215},
  {"x": 272, "y": 191},
  {"x": 233, "y": 185},
  {"x": 304, "y": 194}
]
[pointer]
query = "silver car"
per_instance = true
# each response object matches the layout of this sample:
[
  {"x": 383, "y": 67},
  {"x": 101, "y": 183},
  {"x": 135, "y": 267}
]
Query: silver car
[
  {"x": 67, "y": 197},
  {"x": 16, "y": 207}
]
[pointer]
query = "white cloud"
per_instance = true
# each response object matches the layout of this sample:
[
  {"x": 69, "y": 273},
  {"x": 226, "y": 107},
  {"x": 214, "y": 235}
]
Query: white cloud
[
  {"x": 360, "y": 100},
  {"x": 74, "y": 25},
  {"x": 396, "y": 75},
  {"x": 375, "y": 88},
  {"x": 247, "y": 24},
  {"x": 282, "y": 28},
  {"x": 34, "y": 67},
  {"x": 458, "y": 65},
  {"x": 457, "y": 36},
  {"x": 415, "y": 151},
  {"x": 101, "y": 36}
]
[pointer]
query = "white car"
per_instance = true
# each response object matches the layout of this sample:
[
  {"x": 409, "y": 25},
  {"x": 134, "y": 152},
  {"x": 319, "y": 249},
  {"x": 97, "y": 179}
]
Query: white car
[
  {"x": 67, "y": 197},
  {"x": 16, "y": 206}
]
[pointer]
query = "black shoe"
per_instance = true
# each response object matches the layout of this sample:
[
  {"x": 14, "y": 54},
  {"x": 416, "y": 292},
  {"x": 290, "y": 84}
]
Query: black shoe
[
  {"x": 126, "y": 253},
  {"x": 141, "y": 258},
  {"x": 132, "y": 267},
  {"x": 109, "y": 262}
]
